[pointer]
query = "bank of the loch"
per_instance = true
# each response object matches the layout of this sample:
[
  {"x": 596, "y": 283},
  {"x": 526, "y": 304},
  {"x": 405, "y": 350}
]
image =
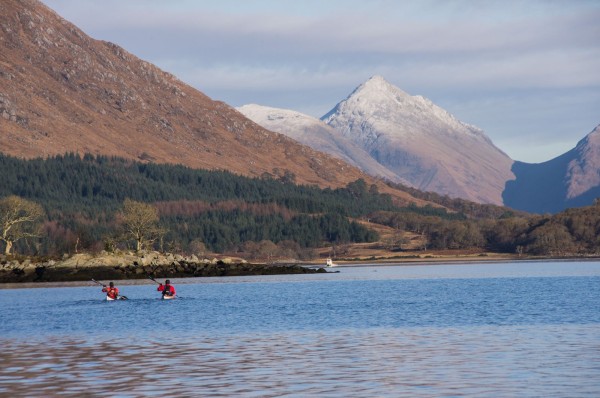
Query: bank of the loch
[{"x": 128, "y": 265}]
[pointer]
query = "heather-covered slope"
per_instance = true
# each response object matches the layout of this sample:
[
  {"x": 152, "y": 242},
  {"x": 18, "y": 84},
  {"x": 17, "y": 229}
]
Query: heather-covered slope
[{"x": 62, "y": 91}]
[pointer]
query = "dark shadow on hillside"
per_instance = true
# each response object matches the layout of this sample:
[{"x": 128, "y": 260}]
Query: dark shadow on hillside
[{"x": 538, "y": 188}]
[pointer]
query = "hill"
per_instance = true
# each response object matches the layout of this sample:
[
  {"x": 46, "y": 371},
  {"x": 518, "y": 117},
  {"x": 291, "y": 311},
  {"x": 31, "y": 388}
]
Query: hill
[{"x": 62, "y": 91}]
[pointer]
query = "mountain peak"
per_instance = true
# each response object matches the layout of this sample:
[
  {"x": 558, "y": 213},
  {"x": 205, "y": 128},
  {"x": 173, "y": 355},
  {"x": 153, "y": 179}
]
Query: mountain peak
[
  {"x": 375, "y": 95},
  {"x": 382, "y": 102},
  {"x": 376, "y": 78},
  {"x": 377, "y": 88},
  {"x": 421, "y": 142},
  {"x": 378, "y": 81}
]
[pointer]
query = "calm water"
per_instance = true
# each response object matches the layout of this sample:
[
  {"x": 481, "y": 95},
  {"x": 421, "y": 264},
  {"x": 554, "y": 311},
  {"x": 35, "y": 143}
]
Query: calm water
[{"x": 487, "y": 330}]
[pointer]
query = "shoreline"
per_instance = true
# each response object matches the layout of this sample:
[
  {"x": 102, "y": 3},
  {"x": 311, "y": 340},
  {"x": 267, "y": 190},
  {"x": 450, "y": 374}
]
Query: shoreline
[
  {"x": 128, "y": 265},
  {"x": 308, "y": 267}
]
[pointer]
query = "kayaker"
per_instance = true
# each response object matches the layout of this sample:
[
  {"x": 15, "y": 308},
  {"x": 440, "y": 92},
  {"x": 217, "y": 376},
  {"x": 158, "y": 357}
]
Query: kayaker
[
  {"x": 167, "y": 289},
  {"x": 111, "y": 291}
]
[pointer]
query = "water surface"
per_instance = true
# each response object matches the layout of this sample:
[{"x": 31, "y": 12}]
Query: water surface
[{"x": 517, "y": 329}]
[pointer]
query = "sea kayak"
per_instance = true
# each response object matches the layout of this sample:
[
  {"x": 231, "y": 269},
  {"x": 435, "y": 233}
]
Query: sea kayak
[
  {"x": 118, "y": 298},
  {"x": 165, "y": 297}
]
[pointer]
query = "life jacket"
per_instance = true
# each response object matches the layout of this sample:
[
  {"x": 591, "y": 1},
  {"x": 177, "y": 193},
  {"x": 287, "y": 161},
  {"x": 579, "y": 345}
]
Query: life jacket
[
  {"x": 112, "y": 292},
  {"x": 167, "y": 290}
]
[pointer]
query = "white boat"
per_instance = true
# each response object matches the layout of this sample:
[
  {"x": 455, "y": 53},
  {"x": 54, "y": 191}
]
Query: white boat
[
  {"x": 165, "y": 297},
  {"x": 330, "y": 263}
]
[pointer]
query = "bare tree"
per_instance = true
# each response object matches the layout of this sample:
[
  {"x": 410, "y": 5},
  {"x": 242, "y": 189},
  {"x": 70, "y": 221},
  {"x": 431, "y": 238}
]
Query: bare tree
[
  {"x": 19, "y": 219},
  {"x": 197, "y": 247},
  {"x": 266, "y": 249},
  {"x": 140, "y": 222}
]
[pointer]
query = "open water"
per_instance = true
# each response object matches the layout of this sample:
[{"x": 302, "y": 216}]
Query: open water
[{"x": 478, "y": 330}]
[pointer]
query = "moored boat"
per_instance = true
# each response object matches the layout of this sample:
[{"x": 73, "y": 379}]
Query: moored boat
[{"x": 330, "y": 263}]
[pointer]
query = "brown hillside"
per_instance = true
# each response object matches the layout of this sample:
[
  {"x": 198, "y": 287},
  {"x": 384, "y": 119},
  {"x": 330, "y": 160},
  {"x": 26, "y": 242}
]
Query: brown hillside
[{"x": 61, "y": 91}]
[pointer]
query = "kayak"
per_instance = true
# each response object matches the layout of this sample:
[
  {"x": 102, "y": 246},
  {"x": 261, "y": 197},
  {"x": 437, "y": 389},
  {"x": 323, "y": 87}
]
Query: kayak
[
  {"x": 165, "y": 297},
  {"x": 118, "y": 298}
]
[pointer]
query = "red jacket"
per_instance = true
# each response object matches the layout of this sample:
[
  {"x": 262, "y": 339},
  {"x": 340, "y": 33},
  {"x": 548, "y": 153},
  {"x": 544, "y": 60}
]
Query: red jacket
[
  {"x": 170, "y": 289},
  {"x": 112, "y": 292}
]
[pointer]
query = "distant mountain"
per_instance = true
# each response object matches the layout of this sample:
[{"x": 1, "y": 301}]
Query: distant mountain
[
  {"x": 62, "y": 91},
  {"x": 422, "y": 143},
  {"x": 569, "y": 180},
  {"x": 318, "y": 135}
]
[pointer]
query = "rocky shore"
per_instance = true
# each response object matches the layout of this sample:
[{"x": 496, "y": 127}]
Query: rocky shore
[{"x": 130, "y": 265}]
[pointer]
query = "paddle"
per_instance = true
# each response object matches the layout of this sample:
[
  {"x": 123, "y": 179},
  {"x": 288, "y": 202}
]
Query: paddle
[
  {"x": 103, "y": 285},
  {"x": 100, "y": 283}
]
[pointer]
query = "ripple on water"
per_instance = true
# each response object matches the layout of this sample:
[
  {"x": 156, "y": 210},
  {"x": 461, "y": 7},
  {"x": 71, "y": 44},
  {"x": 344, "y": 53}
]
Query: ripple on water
[{"x": 487, "y": 361}]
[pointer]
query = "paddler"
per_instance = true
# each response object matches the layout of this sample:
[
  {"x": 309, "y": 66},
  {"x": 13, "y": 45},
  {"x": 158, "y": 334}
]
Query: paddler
[
  {"x": 167, "y": 289},
  {"x": 111, "y": 291}
]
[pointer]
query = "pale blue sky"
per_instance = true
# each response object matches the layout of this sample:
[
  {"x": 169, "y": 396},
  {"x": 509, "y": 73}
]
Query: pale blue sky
[{"x": 526, "y": 72}]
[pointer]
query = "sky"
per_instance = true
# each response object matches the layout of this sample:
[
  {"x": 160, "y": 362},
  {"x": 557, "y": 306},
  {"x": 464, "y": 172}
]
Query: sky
[{"x": 527, "y": 72}]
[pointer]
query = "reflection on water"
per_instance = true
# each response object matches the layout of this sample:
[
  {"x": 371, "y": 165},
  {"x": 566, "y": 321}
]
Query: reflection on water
[{"x": 488, "y": 361}]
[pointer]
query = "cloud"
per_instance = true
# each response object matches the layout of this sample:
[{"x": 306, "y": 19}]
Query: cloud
[{"x": 532, "y": 50}]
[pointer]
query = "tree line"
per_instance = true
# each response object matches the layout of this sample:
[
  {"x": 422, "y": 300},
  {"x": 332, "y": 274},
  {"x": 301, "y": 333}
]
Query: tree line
[
  {"x": 82, "y": 203},
  {"x": 85, "y": 198},
  {"x": 572, "y": 232}
]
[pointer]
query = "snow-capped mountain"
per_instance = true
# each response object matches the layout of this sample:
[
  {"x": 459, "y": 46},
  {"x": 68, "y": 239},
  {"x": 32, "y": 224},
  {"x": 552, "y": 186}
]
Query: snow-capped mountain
[
  {"x": 386, "y": 132},
  {"x": 422, "y": 143},
  {"x": 569, "y": 180},
  {"x": 318, "y": 135}
]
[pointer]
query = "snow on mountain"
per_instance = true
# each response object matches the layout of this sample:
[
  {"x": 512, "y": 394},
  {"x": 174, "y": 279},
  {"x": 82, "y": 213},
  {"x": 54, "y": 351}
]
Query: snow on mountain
[
  {"x": 318, "y": 135},
  {"x": 422, "y": 143}
]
